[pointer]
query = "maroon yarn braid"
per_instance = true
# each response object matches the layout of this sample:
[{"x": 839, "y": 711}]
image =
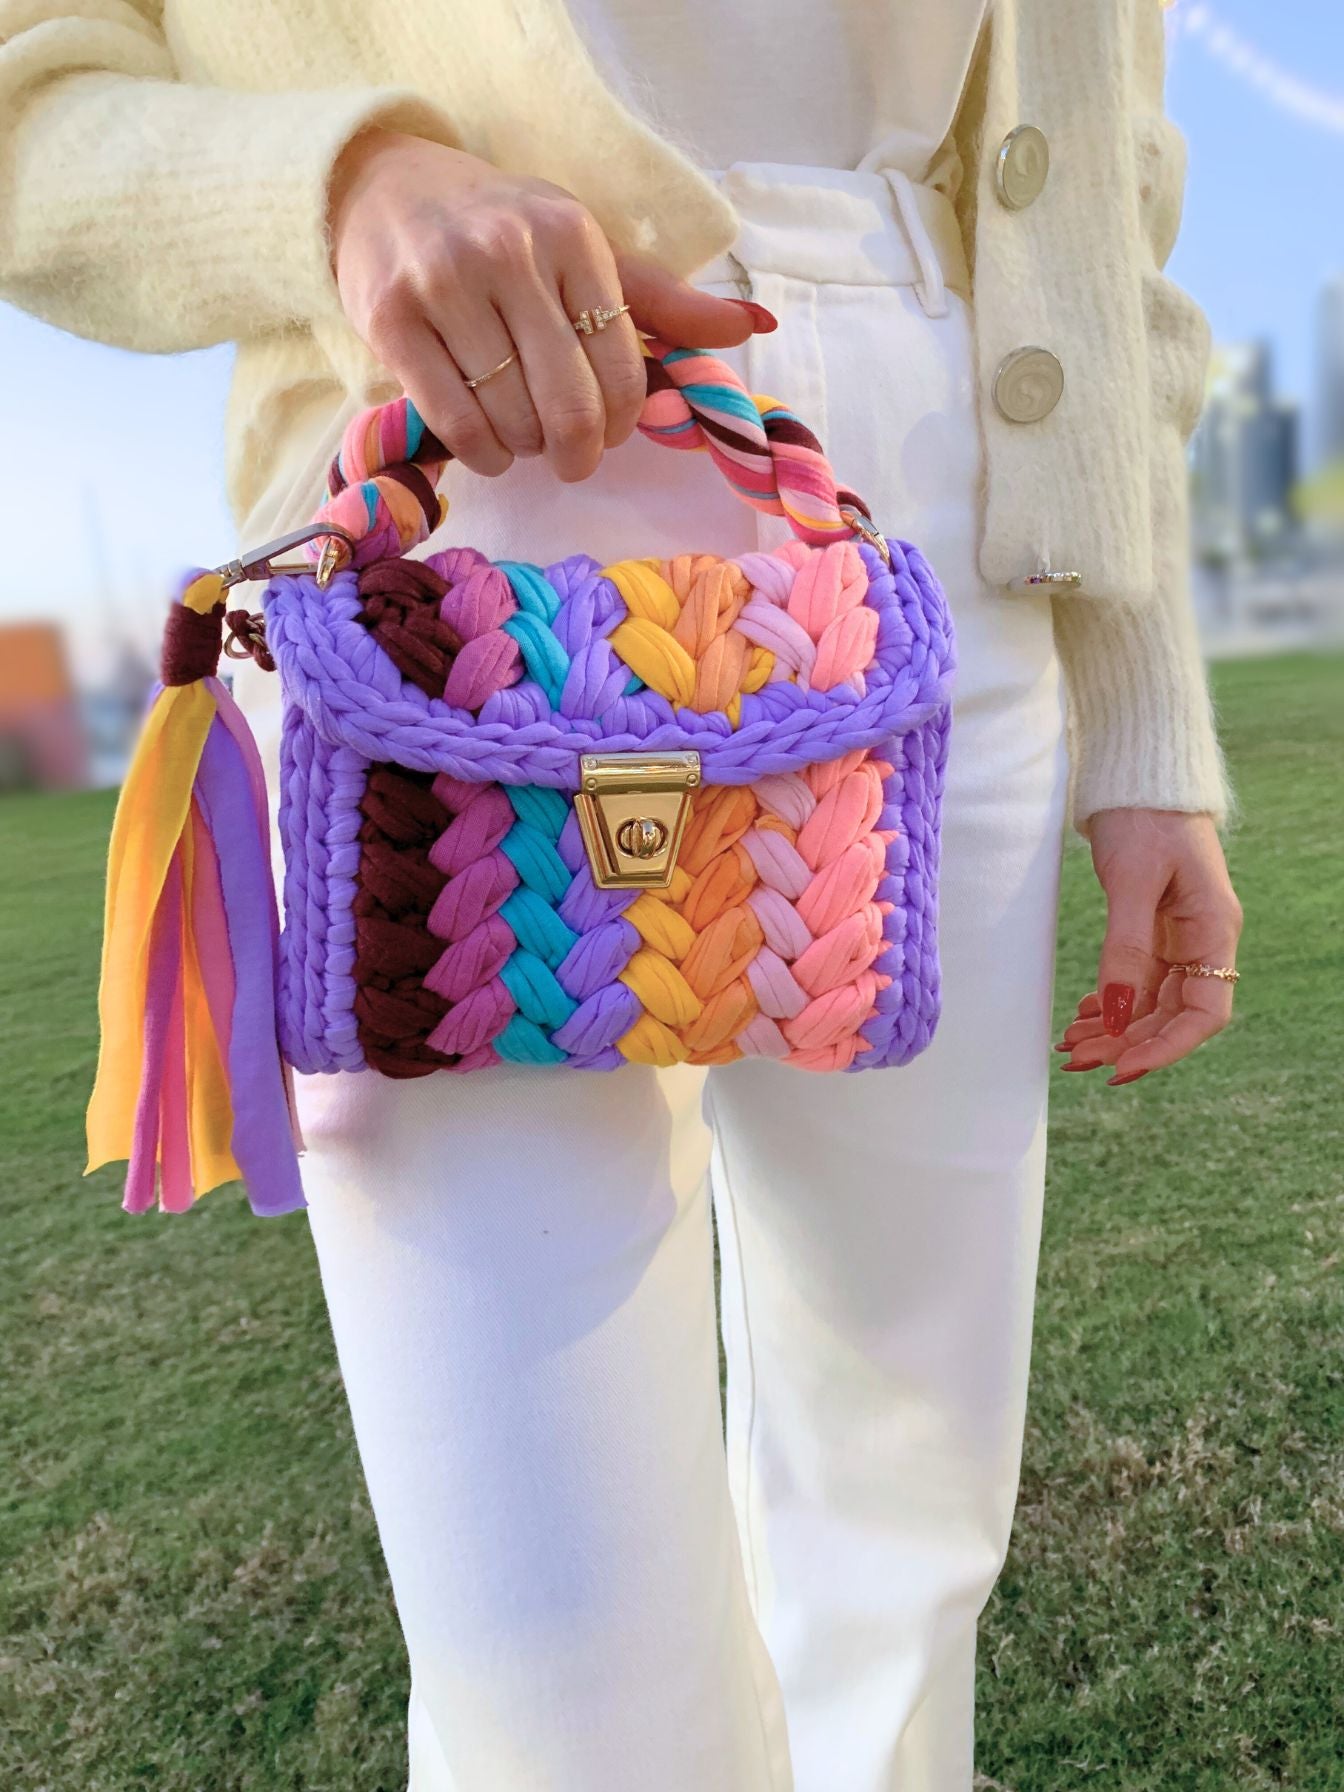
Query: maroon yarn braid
[{"x": 402, "y": 818}]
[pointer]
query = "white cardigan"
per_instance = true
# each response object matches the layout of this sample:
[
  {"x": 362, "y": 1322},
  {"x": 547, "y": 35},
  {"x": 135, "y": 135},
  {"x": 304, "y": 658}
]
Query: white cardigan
[{"x": 164, "y": 186}]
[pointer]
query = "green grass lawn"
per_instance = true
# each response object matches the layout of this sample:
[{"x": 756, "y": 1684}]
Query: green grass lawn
[{"x": 193, "y": 1597}]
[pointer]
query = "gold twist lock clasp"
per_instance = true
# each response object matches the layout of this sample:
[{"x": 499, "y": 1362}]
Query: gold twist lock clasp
[{"x": 632, "y": 810}]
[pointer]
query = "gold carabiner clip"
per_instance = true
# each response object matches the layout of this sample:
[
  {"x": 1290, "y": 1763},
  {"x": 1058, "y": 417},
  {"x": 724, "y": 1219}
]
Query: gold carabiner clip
[{"x": 259, "y": 563}]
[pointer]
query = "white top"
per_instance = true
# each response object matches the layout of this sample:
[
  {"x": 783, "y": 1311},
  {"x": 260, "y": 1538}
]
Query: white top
[{"x": 850, "y": 84}]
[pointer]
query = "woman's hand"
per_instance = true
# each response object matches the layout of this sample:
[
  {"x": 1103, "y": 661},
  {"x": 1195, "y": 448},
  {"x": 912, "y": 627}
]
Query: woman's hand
[
  {"x": 1169, "y": 901},
  {"x": 445, "y": 265}
]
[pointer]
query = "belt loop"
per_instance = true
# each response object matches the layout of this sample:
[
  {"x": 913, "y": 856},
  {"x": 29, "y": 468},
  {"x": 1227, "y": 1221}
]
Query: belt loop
[{"x": 930, "y": 288}]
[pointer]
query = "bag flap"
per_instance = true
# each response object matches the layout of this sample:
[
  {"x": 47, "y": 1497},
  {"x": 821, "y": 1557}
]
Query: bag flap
[{"x": 828, "y": 650}]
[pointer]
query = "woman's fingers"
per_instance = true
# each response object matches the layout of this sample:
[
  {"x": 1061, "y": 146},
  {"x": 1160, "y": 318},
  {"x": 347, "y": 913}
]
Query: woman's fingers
[
  {"x": 435, "y": 386},
  {"x": 570, "y": 407},
  {"x": 1091, "y": 1046},
  {"x": 1177, "y": 1039},
  {"x": 1205, "y": 1007},
  {"x": 1169, "y": 902},
  {"x": 477, "y": 340},
  {"x": 672, "y": 309},
  {"x": 1079, "y": 1030},
  {"x": 1201, "y": 925},
  {"x": 1191, "y": 1010},
  {"x": 1130, "y": 973},
  {"x": 587, "y": 277}
]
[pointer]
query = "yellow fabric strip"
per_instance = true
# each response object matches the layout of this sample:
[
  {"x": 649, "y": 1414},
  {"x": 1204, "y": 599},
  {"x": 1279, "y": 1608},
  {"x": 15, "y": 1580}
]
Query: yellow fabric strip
[{"x": 151, "y": 814}]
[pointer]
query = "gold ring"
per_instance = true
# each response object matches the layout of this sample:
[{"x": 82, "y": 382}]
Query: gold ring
[
  {"x": 1223, "y": 972},
  {"x": 596, "y": 319},
  {"x": 481, "y": 378}
]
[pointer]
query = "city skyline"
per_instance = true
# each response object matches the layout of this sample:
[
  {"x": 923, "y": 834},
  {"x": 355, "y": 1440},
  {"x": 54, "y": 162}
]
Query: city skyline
[
  {"x": 1259, "y": 95},
  {"x": 1328, "y": 422}
]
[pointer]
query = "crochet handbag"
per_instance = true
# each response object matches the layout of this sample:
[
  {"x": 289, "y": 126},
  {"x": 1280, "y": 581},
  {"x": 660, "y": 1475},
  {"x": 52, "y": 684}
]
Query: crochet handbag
[{"x": 660, "y": 811}]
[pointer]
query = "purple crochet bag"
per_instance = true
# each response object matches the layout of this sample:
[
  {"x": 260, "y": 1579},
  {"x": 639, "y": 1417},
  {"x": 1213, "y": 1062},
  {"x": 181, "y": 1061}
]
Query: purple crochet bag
[{"x": 666, "y": 810}]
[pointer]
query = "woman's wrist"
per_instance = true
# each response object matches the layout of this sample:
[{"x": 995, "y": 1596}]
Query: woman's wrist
[
  {"x": 348, "y": 173},
  {"x": 1162, "y": 814}
]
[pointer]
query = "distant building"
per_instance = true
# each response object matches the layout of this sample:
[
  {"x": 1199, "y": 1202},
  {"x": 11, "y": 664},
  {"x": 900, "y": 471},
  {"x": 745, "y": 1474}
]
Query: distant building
[
  {"x": 1330, "y": 374},
  {"x": 1244, "y": 459},
  {"x": 42, "y": 740}
]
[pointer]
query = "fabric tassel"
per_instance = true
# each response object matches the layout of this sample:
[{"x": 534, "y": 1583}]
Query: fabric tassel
[{"x": 191, "y": 1088}]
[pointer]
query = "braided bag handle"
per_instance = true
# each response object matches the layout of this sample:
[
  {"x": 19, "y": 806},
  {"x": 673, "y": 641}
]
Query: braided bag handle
[{"x": 381, "y": 487}]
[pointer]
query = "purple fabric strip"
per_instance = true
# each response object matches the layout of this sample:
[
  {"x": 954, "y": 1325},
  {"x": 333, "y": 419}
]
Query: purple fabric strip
[
  {"x": 907, "y": 1010},
  {"x": 262, "y": 1142}
]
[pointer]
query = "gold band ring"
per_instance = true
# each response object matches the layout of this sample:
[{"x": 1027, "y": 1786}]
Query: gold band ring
[
  {"x": 1223, "y": 972},
  {"x": 587, "y": 323},
  {"x": 597, "y": 319},
  {"x": 481, "y": 378}
]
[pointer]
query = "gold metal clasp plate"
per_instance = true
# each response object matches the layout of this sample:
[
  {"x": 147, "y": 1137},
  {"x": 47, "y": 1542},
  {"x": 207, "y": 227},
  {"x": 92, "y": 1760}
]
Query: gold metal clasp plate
[{"x": 632, "y": 810}]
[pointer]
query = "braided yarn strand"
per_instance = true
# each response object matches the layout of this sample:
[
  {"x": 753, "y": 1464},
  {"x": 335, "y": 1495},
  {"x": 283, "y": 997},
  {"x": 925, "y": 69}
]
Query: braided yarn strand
[
  {"x": 769, "y": 456},
  {"x": 381, "y": 484}
]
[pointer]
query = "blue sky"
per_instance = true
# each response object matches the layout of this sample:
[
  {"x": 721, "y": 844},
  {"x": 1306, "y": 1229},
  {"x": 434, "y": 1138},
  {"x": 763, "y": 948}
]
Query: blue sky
[
  {"x": 111, "y": 463},
  {"x": 1263, "y": 225}
]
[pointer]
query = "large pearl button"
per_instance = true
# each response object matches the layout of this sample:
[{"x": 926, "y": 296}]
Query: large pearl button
[
  {"x": 1021, "y": 167},
  {"x": 1028, "y": 385}
]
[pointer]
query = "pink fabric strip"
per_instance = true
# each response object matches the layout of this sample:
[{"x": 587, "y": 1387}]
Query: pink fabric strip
[
  {"x": 175, "y": 1194},
  {"x": 161, "y": 981}
]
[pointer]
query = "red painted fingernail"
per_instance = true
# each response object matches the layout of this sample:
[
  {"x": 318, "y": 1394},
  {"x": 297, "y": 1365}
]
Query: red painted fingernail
[
  {"x": 1117, "y": 1007},
  {"x": 1080, "y": 1067},
  {"x": 764, "y": 320},
  {"x": 1132, "y": 1076}
]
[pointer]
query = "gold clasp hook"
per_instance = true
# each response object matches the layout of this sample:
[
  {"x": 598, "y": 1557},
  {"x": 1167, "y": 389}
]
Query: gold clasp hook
[
  {"x": 259, "y": 563},
  {"x": 862, "y": 526}
]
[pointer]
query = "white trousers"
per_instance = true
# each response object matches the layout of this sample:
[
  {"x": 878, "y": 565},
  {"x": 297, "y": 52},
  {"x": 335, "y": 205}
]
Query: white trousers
[{"x": 597, "y": 1596}]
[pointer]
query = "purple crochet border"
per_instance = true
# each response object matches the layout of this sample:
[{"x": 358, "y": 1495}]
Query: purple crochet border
[
  {"x": 354, "y": 695},
  {"x": 908, "y": 1008},
  {"x": 348, "y": 707},
  {"x": 321, "y": 785}
]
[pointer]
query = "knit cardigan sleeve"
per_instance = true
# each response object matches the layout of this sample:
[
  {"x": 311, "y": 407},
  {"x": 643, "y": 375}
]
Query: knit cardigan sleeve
[
  {"x": 159, "y": 215},
  {"x": 1140, "y": 717},
  {"x": 1141, "y": 721}
]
